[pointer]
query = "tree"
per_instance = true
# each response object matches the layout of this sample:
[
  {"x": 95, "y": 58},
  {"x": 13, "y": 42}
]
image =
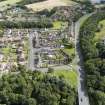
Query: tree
[{"x": 35, "y": 88}]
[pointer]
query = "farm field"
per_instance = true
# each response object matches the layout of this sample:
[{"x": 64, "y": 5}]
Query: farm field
[
  {"x": 7, "y": 3},
  {"x": 49, "y": 4},
  {"x": 100, "y": 35}
]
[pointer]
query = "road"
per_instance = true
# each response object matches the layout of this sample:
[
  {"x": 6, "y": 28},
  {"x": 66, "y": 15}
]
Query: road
[
  {"x": 82, "y": 92},
  {"x": 31, "y": 54},
  {"x": 82, "y": 89}
]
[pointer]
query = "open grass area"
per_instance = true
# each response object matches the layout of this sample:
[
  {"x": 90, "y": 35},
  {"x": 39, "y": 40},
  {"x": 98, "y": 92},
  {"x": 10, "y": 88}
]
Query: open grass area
[
  {"x": 6, "y": 51},
  {"x": 60, "y": 25},
  {"x": 49, "y": 4},
  {"x": 100, "y": 35},
  {"x": 69, "y": 51},
  {"x": 5, "y": 4},
  {"x": 70, "y": 76}
]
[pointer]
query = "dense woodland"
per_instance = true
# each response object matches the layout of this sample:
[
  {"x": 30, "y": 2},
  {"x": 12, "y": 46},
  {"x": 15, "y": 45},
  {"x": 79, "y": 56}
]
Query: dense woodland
[
  {"x": 63, "y": 13},
  {"x": 94, "y": 59},
  {"x": 2, "y": 0},
  {"x": 35, "y": 88},
  {"x": 87, "y": 5}
]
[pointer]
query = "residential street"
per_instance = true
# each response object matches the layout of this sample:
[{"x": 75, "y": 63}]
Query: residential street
[
  {"x": 78, "y": 61},
  {"x": 82, "y": 91}
]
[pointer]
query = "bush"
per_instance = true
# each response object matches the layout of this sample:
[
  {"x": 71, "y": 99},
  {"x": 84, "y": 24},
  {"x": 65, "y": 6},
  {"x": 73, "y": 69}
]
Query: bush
[{"x": 35, "y": 88}]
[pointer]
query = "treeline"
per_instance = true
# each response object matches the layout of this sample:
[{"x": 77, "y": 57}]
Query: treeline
[
  {"x": 25, "y": 2},
  {"x": 2, "y": 0},
  {"x": 87, "y": 5},
  {"x": 94, "y": 59},
  {"x": 25, "y": 24},
  {"x": 35, "y": 88}
]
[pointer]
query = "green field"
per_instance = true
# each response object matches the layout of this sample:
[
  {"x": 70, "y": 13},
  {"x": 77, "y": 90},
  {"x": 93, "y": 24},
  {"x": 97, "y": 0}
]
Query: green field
[
  {"x": 60, "y": 25},
  {"x": 9, "y": 52},
  {"x": 100, "y": 35},
  {"x": 69, "y": 52},
  {"x": 70, "y": 76},
  {"x": 6, "y": 51},
  {"x": 5, "y": 4}
]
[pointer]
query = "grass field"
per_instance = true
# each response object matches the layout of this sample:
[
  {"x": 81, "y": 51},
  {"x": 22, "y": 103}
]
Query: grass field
[
  {"x": 100, "y": 35},
  {"x": 69, "y": 51},
  {"x": 5, "y": 4},
  {"x": 6, "y": 51},
  {"x": 70, "y": 76},
  {"x": 49, "y": 4},
  {"x": 60, "y": 25}
]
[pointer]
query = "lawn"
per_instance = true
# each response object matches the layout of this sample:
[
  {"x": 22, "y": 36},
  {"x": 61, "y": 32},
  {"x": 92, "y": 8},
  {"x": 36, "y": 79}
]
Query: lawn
[
  {"x": 9, "y": 52},
  {"x": 69, "y": 52},
  {"x": 60, "y": 25},
  {"x": 49, "y": 4},
  {"x": 100, "y": 35},
  {"x": 70, "y": 76},
  {"x": 6, "y": 51},
  {"x": 5, "y": 4}
]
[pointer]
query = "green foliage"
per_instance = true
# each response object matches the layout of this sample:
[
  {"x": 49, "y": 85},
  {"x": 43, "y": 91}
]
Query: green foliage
[
  {"x": 35, "y": 88},
  {"x": 94, "y": 57},
  {"x": 25, "y": 2},
  {"x": 20, "y": 24},
  {"x": 101, "y": 47},
  {"x": 2, "y": 0}
]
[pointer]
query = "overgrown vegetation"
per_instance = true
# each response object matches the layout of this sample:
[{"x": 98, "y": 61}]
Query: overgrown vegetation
[
  {"x": 94, "y": 59},
  {"x": 26, "y": 24},
  {"x": 35, "y": 88},
  {"x": 63, "y": 13},
  {"x": 2, "y": 0},
  {"x": 88, "y": 6}
]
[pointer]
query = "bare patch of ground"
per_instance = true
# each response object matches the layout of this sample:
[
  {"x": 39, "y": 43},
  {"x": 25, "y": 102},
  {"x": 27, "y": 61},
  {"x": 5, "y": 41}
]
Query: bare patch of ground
[{"x": 49, "y": 4}]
